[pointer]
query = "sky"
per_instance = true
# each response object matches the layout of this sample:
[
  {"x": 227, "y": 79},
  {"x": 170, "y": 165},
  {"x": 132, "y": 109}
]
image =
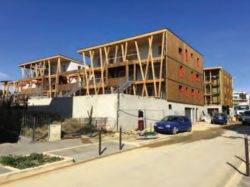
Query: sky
[{"x": 33, "y": 29}]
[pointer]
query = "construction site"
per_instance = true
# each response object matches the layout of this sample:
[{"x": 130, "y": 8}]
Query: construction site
[{"x": 156, "y": 72}]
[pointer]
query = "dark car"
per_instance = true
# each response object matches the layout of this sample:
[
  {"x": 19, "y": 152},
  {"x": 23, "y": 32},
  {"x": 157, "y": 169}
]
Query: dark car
[
  {"x": 246, "y": 118},
  {"x": 219, "y": 118},
  {"x": 173, "y": 124}
]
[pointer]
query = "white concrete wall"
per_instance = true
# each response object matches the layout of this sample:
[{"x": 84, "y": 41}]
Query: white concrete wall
[
  {"x": 154, "y": 110},
  {"x": 78, "y": 107},
  {"x": 103, "y": 106},
  {"x": 106, "y": 106}
]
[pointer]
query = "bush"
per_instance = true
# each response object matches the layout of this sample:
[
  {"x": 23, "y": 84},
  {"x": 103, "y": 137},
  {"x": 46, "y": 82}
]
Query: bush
[{"x": 22, "y": 162}]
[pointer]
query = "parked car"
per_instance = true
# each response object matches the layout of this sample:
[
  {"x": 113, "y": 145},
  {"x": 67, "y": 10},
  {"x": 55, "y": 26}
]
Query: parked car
[
  {"x": 173, "y": 124},
  {"x": 240, "y": 109},
  {"x": 246, "y": 117},
  {"x": 219, "y": 118}
]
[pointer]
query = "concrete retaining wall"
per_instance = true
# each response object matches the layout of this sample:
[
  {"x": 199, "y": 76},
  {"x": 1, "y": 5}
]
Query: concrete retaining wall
[
  {"x": 106, "y": 106},
  {"x": 154, "y": 110}
]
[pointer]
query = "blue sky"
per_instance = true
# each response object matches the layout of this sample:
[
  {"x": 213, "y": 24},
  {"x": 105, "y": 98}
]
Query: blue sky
[{"x": 31, "y": 29}]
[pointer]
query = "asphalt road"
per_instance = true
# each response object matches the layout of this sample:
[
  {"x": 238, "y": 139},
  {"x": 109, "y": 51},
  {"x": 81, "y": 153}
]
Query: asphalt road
[{"x": 203, "y": 158}]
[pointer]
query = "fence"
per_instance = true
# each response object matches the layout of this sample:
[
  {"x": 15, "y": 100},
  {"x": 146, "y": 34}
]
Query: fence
[{"x": 36, "y": 125}]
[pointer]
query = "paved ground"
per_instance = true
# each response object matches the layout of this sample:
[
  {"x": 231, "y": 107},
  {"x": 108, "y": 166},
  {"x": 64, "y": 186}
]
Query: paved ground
[
  {"x": 80, "y": 151},
  {"x": 202, "y": 158}
]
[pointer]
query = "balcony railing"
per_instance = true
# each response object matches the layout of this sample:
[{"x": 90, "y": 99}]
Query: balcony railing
[
  {"x": 65, "y": 87},
  {"x": 30, "y": 91},
  {"x": 116, "y": 81}
]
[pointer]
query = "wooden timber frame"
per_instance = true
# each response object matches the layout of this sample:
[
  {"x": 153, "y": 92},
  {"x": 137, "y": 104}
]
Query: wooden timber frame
[
  {"x": 218, "y": 87},
  {"x": 151, "y": 61},
  {"x": 41, "y": 70},
  {"x": 120, "y": 58},
  {"x": 144, "y": 65}
]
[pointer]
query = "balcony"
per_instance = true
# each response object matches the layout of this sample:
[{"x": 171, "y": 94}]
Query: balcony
[
  {"x": 116, "y": 81},
  {"x": 30, "y": 91},
  {"x": 66, "y": 87}
]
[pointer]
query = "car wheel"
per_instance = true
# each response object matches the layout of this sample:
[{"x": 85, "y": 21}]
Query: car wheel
[
  {"x": 225, "y": 122},
  {"x": 189, "y": 129},
  {"x": 175, "y": 130}
]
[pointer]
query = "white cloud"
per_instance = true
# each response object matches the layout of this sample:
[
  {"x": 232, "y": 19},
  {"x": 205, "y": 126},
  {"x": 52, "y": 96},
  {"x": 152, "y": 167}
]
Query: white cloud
[{"x": 3, "y": 76}]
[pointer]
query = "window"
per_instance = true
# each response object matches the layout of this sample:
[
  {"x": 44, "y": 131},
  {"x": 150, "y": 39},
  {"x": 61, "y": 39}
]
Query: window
[
  {"x": 111, "y": 59},
  {"x": 180, "y": 88},
  {"x": 159, "y": 49},
  {"x": 180, "y": 50},
  {"x": 187, "y": 93},
  {"x": 79, "y": 67},
  {"x": 198, "y": 77},
  {"x": 186, "y": 119},
  {"x": 181, "y": 119},
  {"x": 181, "y": 71},
  {"x": 64, "y": 68},
  {"x": 170, "y": 107},
  {"x": 186, "y": 55},
  {"x": 192, "y": 76},
  {"x": 198, "y": 62},
  {"x": 193, "y": 92},
  {"x": 192, "y": 55}
]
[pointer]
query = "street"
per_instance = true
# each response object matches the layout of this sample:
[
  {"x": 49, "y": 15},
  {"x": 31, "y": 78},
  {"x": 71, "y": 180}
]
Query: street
[{"x": 203, "y": 158}]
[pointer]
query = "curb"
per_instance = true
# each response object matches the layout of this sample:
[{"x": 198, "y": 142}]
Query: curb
[
  {"x": 17, "y": 174},
  {"x": 67, "y": 162}
]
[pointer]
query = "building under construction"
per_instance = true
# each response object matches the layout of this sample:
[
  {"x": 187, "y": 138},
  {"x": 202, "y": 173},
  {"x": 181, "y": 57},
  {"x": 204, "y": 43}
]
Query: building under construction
[
  {"x": 218, "y": 90},
  {"x": 157, "y": 65}
]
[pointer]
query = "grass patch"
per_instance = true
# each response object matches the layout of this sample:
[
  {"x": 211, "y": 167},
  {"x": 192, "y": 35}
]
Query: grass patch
[{"x": 23, "y": 162}]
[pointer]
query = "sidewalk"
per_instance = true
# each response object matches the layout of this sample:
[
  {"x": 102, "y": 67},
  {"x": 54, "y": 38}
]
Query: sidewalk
[
  {"x": 81, "y": 152},
  {"x": 75, "y": 148},
  {"x": 206, "y": 157}
]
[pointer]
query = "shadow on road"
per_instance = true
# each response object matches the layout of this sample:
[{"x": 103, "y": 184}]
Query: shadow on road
[
  {"x": 190, "y": 137},
  {"x": 235, "y": 168}
]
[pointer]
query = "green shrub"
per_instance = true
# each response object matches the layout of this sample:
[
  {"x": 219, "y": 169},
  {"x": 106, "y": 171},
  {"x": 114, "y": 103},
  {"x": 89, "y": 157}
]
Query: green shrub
[{"x": 22, "y": 162}]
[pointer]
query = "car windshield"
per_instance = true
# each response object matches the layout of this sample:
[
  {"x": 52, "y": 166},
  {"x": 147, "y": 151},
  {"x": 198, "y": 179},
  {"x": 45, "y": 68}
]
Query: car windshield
[
  {"x": 242, "y": 107},
  {"x": 170, "y": 118}
]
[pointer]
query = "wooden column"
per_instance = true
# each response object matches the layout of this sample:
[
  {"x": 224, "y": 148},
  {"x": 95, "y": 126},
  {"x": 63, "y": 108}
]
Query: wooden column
[
  {"x": 86, "y": 74},
  {"x": 102, "y": 71},
  {"x": 161, "y": 63},
  {"x": 50, "y": 87},
  {"x": 106, "y": 51},
  {"x": 23, "y": 69},
  {"x": 116, "y": 52},
  {"x": 150, "y": 40},
  {"x": 92, "y": 67},
  {"x": 31, "y": 73},
  {"x": 134, "y": 78},
  {"x": 142, "y": 73}
]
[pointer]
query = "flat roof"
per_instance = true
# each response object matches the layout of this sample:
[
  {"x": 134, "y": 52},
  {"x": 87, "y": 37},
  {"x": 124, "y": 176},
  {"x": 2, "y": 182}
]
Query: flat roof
[
  {"x": 216, "y": 68},
  {"x": 51, "y": 58},
  {"x": 133, "y": 38},
  {"x": 213, "y": 68}
]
